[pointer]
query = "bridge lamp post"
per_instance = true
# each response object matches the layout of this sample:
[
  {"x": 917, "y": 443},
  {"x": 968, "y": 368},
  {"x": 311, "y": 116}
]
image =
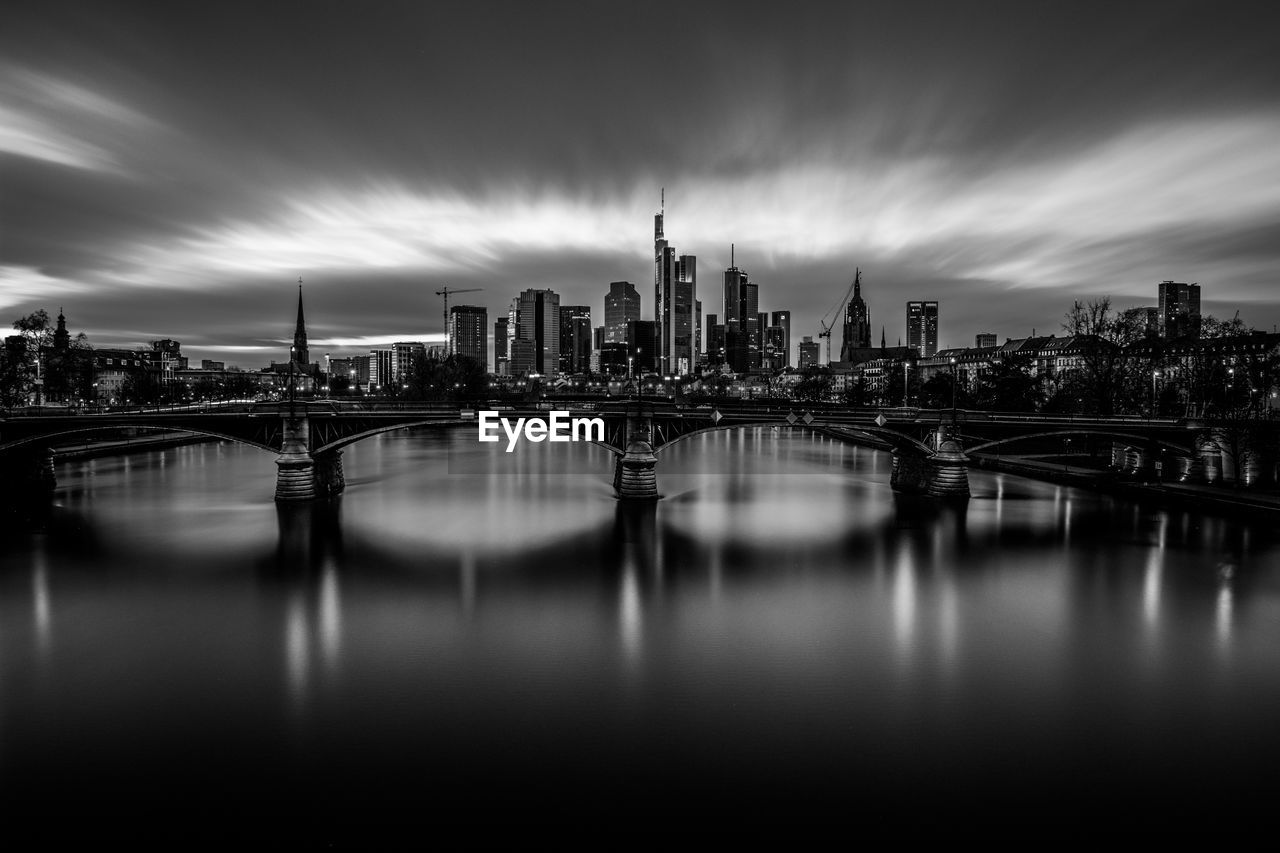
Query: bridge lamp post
[
  {"x": 953, "y": 389},
  {"x": 1155, "y": 375},
  {"x": 293, "y": 385}
]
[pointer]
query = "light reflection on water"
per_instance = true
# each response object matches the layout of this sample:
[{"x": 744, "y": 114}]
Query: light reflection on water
[{"x": 781, "y": 615}]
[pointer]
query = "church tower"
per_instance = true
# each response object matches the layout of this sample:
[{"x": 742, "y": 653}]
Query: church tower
[
  {"x": 61, "y": 337},
  {"x": 300, "y": 353}
]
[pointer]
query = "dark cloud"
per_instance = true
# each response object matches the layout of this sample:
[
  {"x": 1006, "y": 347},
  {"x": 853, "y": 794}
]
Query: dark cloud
[{"x": 173, "y": 167}]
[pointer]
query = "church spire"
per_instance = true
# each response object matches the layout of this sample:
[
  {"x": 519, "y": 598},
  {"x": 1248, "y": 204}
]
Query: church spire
[
  {"x": 300, "y": 353},
  {"x": 61, "y": 337}
]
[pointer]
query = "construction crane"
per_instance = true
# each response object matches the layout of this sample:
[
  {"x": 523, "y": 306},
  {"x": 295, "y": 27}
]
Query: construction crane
[
  {"x": 448, "y": 340},
  {"x": 834, "y": 314}
]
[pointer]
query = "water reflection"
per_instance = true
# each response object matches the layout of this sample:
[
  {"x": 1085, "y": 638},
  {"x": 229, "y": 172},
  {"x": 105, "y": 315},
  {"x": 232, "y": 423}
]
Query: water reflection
[
  {"x": 791, "y": 618},
  {"x": 42, "y": 608}
]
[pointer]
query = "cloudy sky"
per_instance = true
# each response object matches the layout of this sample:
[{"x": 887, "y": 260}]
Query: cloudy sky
[{"x": 171, "y": 170}]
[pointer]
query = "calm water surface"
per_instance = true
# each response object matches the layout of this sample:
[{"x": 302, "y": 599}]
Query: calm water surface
[{"x": 470, "y": 632}]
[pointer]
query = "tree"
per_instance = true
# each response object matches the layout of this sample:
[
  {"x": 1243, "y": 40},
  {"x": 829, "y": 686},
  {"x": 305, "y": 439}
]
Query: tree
[
  {"x": 14, "y": 378},
  {"x": 936, "y": 393},
  {"x": 815, "y": 385},
  {"x": 858, "y": 393},
  {"x": 142, "y": 387},
  {"x": 456, "y": 377},
  {"x": 1010, "y": 384},
  {"x": 1107, "y": 378},
  {"x": 65, "y": 374},
  {"x": 901, "y": 385}
]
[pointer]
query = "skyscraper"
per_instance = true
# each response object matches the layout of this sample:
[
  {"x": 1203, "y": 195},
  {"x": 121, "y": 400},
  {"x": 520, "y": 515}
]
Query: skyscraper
[
  {"x": 697, "y": 336},
  {"x": 922, "y": 327},
  {"x": 642, "y": 346},
  {"x": 715, "y": 341},
  {"x": 469, "y": 332},
  {"x": 621, "y": 305},
  {"x": 774, "y": 350},
  {"x": 675, "y": 292},
  {"x": 782, "y": 321},
  {"x": 533, "y": 333},
  {"x": 857, "y": 322},
  {"x": 1179, "y": 309},
  {"x": 500, "y": 358},
  {"x": 403, "y": 355},
  {"x": 739, "y": 319},
  {"x": 810, "y": 352},
  {"x": 575, "y": 339}
]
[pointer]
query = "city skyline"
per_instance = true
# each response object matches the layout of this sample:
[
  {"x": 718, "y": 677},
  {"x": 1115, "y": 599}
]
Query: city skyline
[{"x": 155, "y": 188}]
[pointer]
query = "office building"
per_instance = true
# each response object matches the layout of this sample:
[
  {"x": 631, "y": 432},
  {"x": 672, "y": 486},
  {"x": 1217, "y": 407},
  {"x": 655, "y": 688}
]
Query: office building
[
  {"x": 380, "y": 372},
  {"x": 984, "y": 339},
  {"x": 781, "y": 320},
  {"x": 575, "y": 339},
  {"x": 772, "y": 354},
  {"x": 675, "y": 292},
  {"x": 621, "y": 306},
  {"x": 1179, "y": 309},
  {"x": 534, "y": 319},
  {"x": 715, "y": 341},
  {"x": 810, "y": 352},
  {"x": 642, "y": 346},
  {"x": 743, "y": 329},
  {"x": 500, "y": 359},
  {"x": 469, "y": 332},
  {"x": 922, "y": 327}
]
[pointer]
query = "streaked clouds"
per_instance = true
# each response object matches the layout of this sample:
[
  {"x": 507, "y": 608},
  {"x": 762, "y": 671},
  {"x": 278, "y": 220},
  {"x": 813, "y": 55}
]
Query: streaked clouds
[{"x": 171, "y": 172}]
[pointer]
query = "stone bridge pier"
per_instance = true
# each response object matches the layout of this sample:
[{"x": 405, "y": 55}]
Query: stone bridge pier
[
  {"x": 635, "y": 475},
  {"x": 944, "y": 473},
  {"x": 300, "y": 475}
]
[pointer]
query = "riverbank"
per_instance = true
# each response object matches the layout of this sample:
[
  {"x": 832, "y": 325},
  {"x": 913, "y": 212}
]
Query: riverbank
[{"x": 1177, "y": 495}]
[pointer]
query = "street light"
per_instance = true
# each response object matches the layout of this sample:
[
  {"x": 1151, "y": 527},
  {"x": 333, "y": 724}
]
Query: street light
[
  {"x": 1155, "y": 374},
  {"x": 953, "y": 389}
]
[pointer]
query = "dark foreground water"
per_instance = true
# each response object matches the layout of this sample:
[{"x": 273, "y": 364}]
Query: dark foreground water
[{"x": 469, "y": 638}]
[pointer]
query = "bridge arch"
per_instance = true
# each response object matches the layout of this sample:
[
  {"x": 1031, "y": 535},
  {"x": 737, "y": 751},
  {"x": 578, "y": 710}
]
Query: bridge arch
[
  {"x": 46, "y": 437},
  {"x": 898, "y": 440},
  {"x": 1128, "y": 439},
  {"x": 339, "y": 443}
]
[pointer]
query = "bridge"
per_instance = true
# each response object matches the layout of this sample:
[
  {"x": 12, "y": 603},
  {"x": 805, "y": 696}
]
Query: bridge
[{"x": 931, "y": 449}]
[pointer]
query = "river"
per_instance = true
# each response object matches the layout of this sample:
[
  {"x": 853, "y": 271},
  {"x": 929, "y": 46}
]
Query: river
[{"x": 469, "y": 632}]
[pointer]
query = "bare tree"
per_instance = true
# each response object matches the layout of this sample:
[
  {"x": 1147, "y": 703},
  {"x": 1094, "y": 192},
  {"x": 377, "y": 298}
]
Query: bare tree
[{"x": 1108, "y": 380}]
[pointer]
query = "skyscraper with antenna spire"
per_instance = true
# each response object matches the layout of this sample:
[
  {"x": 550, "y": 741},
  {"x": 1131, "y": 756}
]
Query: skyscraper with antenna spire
[{"x": 675, "y": 295}]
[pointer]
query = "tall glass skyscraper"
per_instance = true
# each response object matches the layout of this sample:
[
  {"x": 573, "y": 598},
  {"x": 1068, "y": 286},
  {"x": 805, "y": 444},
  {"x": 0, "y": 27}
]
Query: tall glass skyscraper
[
  {"x": 675, "y": 292},
  {"x": 621, "y": 306},
  {"x": 533, "y": 333},
  {"x": 922, "y": 327}
]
